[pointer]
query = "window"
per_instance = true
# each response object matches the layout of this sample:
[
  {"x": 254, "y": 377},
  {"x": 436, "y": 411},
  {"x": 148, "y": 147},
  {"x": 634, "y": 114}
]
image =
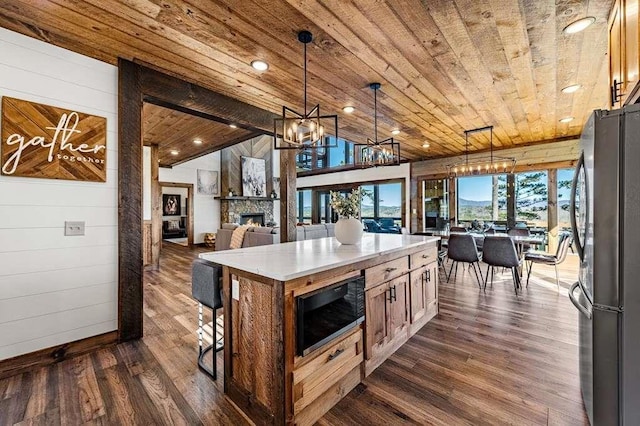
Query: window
[
  {"x": 317, "y": 159},
  {"x": 367, "y": 207},
  {"x": 565, "y": 178},
  {"x": 304, "y": 206},
  {"x": 482, "y": 198},
  {"x": 389, "y": 202},
  {"x": 435, "y": 194},
  {"x": 531, "y": 198}
]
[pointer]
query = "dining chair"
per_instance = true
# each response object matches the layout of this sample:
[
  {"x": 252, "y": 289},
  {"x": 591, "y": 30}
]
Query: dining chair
[
  {"x": 520, "y": 232},
  {"x": 500, "y": 251},
  {"x": 458, "y": 229},
  {"x": 462, "y": 248},
  {"x": 550, "y": 259}
]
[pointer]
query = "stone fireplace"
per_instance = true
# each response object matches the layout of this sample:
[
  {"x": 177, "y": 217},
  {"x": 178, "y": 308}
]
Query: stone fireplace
[{"x": 231, "y": 211}]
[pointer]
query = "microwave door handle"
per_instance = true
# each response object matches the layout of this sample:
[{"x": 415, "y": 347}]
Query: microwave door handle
[
  {"x": 572, "y": 208},
  {"x": 584, "y": 311}
]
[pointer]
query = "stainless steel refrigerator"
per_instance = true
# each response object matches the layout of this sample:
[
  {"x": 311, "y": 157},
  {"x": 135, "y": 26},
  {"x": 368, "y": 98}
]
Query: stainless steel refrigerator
[{"x": 605, "y": 216}]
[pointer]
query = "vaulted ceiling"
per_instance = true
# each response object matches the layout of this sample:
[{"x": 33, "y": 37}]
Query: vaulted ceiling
[
  {"x": 445, "y": 65},
  {"x": 174, "y": 132}
]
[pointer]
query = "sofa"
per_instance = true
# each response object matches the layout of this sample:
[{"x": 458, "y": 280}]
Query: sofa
[
  {"x": 255, "y": 236},
  {"x": 174, "y": 228},
  {"x": 264, "y": 235}
]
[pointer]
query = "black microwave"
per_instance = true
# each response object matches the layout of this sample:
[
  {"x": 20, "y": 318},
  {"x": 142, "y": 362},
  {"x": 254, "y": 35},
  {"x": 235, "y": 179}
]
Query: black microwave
[{"x": 323, "y": 315}]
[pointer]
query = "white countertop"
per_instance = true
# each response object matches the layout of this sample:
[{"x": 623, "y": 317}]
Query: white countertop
[{"x": 297, "y": 259}]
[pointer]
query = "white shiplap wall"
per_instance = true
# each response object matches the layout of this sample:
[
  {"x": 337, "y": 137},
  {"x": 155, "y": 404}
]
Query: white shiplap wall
[
  {"x": 56, "y": 289},
  {"x": 206, "y": 210}
]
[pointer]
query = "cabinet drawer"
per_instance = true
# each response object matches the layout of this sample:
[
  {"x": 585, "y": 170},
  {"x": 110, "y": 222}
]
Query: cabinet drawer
[
  {"x": 386, "y": 271},
  {"x": 314, "y": 378},
  {"x": 424, "y": 257}
]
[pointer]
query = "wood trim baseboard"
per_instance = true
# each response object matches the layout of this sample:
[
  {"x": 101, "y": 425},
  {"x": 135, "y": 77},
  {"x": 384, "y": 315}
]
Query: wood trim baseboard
[{"x": 27, "y": 362}]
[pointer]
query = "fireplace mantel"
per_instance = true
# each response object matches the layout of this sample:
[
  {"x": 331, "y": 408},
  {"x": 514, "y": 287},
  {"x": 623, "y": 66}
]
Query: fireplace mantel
[{"x": 246, "y": 198}]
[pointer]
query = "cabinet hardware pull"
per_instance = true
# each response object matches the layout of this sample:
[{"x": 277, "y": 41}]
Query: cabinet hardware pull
[
  {"x": 425, "y": 256},
  {"x": 428, "y": 272},
  {"x": 390, "y": 295},
  {"x": 335, "y": 354},
  {"x": 390, "y": 270},
  {"x": 394, "y": 294}
]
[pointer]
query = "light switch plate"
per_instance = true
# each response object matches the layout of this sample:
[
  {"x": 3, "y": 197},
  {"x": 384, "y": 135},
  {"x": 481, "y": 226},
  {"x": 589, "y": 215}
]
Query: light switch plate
[
  {"x": 73, "y": 228},
  {"x": 235, "y": 289}
]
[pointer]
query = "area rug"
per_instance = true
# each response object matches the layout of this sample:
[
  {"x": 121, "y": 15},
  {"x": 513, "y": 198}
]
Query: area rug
[{"x": 180, "y": 241}]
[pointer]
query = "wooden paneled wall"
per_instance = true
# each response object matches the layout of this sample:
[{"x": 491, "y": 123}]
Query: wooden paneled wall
[
  {"x": 531, "y": 157},
  {"x": 546, "y": 156},
  {"x": 231, "y": 163}
]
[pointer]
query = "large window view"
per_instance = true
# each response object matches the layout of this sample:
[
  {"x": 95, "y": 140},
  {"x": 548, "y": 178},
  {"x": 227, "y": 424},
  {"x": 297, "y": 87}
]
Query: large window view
[
  {"x": 565, "y": 176},
  {"x": 482, "y": 198},
  {"x": 316, "y": 159},
  {"x": 531, "y": 198},
  {"x": 381, "y": 211}
]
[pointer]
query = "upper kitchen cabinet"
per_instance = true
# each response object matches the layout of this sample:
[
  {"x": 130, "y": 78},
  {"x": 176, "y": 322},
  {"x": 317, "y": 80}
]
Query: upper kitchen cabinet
[{"x": 624, "y": 55}]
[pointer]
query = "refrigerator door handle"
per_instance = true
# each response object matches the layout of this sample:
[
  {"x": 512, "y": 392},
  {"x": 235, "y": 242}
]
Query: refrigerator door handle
[
  {"x": 584, "y": 311},
  {"x": 572, "y": 208}
]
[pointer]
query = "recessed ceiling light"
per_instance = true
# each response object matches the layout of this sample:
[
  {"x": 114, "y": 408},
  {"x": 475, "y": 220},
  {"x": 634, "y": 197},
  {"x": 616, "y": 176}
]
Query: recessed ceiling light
[
  {"x": 260, "y": 65},
  {"x": 395, "y": 132},
  {"x": 571, "y": 89},
  {"x": 579, "y": 25},
  {"x": 233, "y": 126},
  {"x": 348, "y": 109},
  {"x": 175, "y": 152},
  {"x": 197, "y": 141},
  {"x": 426, "y": 145},
  {"x": 566, "y": 119}
]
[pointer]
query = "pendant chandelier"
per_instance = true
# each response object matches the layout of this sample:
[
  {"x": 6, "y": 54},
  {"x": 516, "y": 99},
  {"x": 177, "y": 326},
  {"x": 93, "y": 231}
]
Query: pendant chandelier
[
  {"x": 308, "y": 130},
  {"x": 479, "y": 166},
  {"x": 376, "y": 153}
]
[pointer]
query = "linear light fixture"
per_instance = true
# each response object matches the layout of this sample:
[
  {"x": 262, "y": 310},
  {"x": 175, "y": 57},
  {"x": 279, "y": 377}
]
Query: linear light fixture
[
  {"x": 376, "y": 153},
  {"x": 490, "y": 165},
  {"x": 309, "y": 130}
]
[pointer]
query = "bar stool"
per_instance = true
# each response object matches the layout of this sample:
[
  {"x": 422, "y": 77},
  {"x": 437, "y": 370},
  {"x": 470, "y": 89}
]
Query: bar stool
[{"x": 206, "y": 289}]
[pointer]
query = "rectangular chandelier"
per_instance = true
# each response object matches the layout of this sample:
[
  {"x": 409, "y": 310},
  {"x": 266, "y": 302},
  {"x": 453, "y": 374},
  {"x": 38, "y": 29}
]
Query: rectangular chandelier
[
  {"x": 373, "y": 154},
  {"x": 300, "y": 131},
  {"x": 483, "y": 165}
]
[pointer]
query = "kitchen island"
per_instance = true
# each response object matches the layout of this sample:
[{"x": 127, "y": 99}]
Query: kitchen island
[{"x": 306, "y": 321}]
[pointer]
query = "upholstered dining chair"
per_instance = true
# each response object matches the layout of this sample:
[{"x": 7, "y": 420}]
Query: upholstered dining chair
[
  {"x": 520, "y": 232},
  {"x": 550, "y": 259},
  {"x": 500, "y": 251},
  {"x": 462, "y": 248},
  {"x": 458, "y": 229},
  {"x": 206, "y": 289}
]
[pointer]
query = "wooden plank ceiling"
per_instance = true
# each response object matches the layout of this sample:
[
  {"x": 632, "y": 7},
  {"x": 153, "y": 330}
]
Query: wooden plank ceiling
[
  {"x": 445, "y": 65},
  {"x": 174, "y": 132}
]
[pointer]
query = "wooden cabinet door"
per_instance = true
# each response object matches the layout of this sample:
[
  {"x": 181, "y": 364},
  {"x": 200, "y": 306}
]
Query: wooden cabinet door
[
  {"x": 431, "y": 288},
  {"x": 615, "y": 53},
  {"x": 377, "y": 318},
  {"x": 417, "y": 294},
  {"x": 631, "y": 39},
  {"x": 398, "y": 306}
]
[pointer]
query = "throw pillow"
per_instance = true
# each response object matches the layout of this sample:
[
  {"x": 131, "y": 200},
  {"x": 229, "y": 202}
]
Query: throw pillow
[
  {"x": 238, "y": 237},
  {"x": 174, "y": 225}
]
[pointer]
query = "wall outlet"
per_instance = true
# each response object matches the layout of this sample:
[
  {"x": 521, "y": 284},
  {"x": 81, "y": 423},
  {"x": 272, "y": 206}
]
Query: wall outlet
[{"x": 73, "y": 228}]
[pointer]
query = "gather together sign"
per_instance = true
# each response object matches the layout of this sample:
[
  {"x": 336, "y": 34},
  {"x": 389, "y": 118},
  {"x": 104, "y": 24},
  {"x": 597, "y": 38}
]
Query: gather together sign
[{"x": 48, "y": 142}]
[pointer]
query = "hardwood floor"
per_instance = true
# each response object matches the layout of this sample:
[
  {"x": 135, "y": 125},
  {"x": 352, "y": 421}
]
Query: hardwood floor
[{"x": 487, "y": 358}]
